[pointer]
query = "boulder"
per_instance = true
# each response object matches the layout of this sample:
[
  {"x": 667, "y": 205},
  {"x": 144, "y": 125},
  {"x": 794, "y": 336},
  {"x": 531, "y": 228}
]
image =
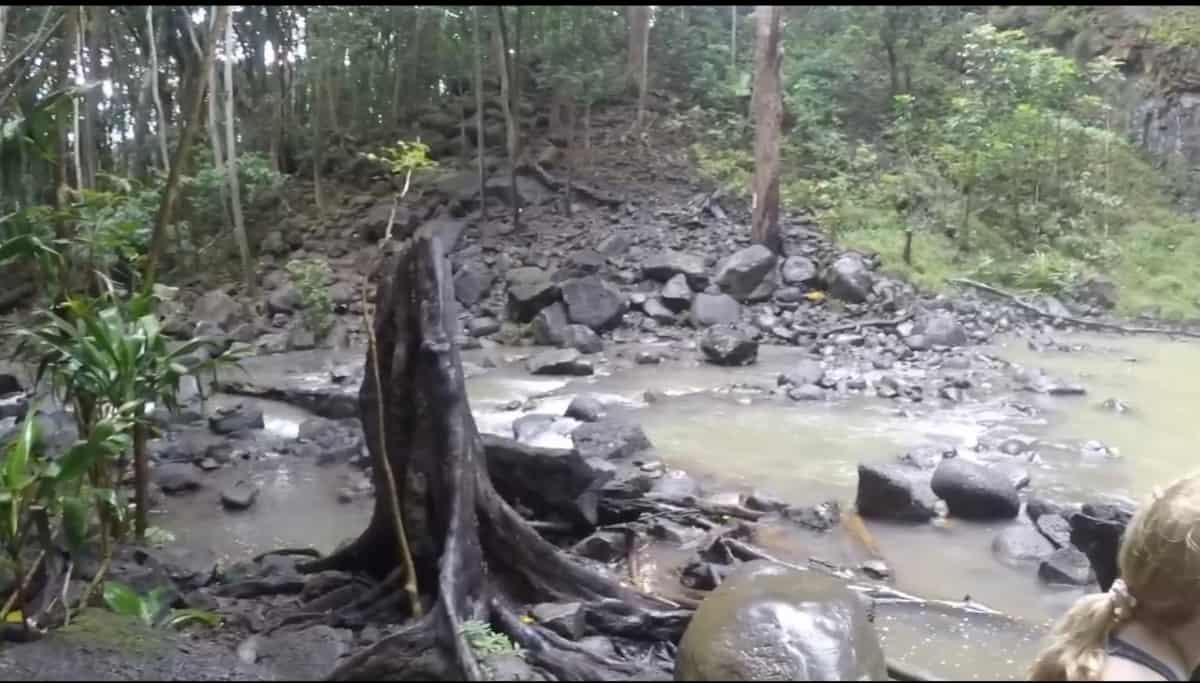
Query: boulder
[
  {"x": 973, "y": 491},
  {"x": 284, "y": 300},
  {"x": 603, "y": 546},
  {"x": 472, "y": 282},
  {"x": 342, "y": 293},
  {"x": 593, "y": 302},
  {"x": 1055, "y": 528},
  {"x": 666, "y": 265},
  {"x": 1021, "y": 543},
  {"x": 585, "y": 408},
  {"x": 236, "y": 419},
  {"x": 676, "y": 294},
  {"x": 768, "y": 622},
  {"x": 849, "y": 279},
  {"x": 581, "y": 264},
  {"x": 797, "y": 270},
  {"x": 308, "y": 654},
  {"x": 529, "y": 291},
  {"x": 175, "y": 478},
  {"x": 482, "y": 327},
  {"x": 806, "y": 392},
  {"x": 613, "y": 245},
  {"x": 1068, "y": 567},
  {"x": 559, "y": 362},
  {"x": 239, "y": 496},
  {"x": 582, "y": 339},
  {"x": 217, "y": 307},
  {"x": 715, "y": 309},
  {"x": 942, "y": 329},
  {"x": 337, "y": 441},
  {"x": 550, "y": 481},
  {"x": 550, "y": 325},
  {"x": 564, "y": 618},
  {"x": 805, "y": 372},
  {"x": 725, "y": 345},
  {"x": 744, "y": 271},
  {"x": 609, "y": 439},
  {"x": 1097, "y": 291},
  {"x": 897, "y": 492},
  {"x": 657, "y": 311},
  {"x": 1097, "y": 530}
]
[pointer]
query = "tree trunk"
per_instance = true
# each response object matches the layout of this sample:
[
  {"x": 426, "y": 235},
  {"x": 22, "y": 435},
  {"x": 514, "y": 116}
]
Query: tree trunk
[
  {"x": 733, "y": 43},
  {"x": 480, "y": 142},
  {"x": 470, "y": 549},
  {"x": 768, "y": 118},
  {"x": 141, "y": 478},
  {"x": 182, "y": 149},
  {"x": 644, "y": 76},
  {"x": 77, "y": 49},
  {"x": 214, "y": 132},
  {"x": 638, "y": 18},
  {"x": 235, "y": 192},
  {"x": 318, "y": 141},
  {"x": 510, "y": 117},
  {"x": 162, "y": 118}
]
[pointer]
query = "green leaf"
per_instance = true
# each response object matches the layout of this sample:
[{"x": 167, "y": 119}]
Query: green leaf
[
  {"x": 75, "y": 522},
  {"x": 180, "y": 617},
  {"x": 122, "y": 599}
]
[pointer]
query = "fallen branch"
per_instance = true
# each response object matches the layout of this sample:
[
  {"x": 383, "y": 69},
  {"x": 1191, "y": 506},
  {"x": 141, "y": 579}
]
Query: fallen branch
[
  {"x": 1094, "y": 324},
  {"x": 856, "y": 325},
  {"x": 598, "y": 196}
]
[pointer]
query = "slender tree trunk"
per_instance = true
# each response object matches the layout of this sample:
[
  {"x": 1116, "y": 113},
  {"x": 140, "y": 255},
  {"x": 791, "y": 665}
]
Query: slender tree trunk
[
  {"x": 414, "y": 56},
  {"x": 235, "y": 192},
  {"x": 732, "y": 43},
  {"x": 89, "y": 59},
  {"x": 77, "y": 49},
  {"x": 510, "y": 117},
  {"x": 318, "y": 141},
  {"x": 141, "y": 479},
  {"x": 182, "y": 148},
  {"x": 3, "y": 29},
  {"x": 480, "y": 142},
  {"x": 638, "y": 17},
  {"x": 643, "y": 79},
  {"x": 768, "y": 118},
  {"x": 162, "y": 118}
]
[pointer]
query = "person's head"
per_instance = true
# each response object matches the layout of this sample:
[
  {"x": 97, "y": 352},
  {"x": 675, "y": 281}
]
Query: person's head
[{"x": 1159, "y": 586}]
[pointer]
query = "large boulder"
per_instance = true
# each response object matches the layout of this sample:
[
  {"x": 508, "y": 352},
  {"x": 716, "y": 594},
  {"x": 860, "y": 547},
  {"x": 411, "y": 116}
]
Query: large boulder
[
  {"x": 559, "y": 362},
  {"x": 849, "y": 279},
  {"x": 806, "y": 372},
  {"x": 715, "y": 309},
  {"x": 894, "y": 491},
  {"x": 554, "y": 481},
  {"x": 609, "y": 438},
  {"x": 668, "y": 264},
  {"x": 1021, "y": 543},
  {"x": 797, "y": 270},
  {"x": 677, "y": 294},
  {"x": 550, "y": 325},
  {"x": 974, "y": 491},
  {"x": 217, "y": 307},
  {"x": 593, "y": 302},
  {"x": 1068, "y": 567},
  {"x": 725, "y": 345},
  {"x": 529, "y": 291},
  {"x": 1097, "y": 530},
  {"x": 472, "y": 282},
  {"x": 768, "y": 622},
  {"x": 744, "y": 271},
  {"x": 582, "y": 339}
]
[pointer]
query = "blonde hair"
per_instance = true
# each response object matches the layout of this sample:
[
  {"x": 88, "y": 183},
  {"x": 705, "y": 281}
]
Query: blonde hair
[{"x": 1159, "y": 563}]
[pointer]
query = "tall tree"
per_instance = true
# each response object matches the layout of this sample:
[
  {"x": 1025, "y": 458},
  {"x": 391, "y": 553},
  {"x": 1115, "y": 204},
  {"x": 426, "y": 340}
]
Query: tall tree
[
  {"x": 152, "y": 42},
  {"x": 235, "y": 192},
  {"x": 477, "y": 34},
  {"x": 510, "y": 115},
  {"x": 767, "y": 106},
  {"x": 638, "y": 18}
]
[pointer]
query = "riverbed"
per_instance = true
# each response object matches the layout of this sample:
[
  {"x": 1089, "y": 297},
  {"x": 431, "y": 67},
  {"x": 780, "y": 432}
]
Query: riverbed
[{"x": 724, "y": 426}]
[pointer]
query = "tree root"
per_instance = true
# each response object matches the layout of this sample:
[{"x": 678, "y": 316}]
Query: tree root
[{"x": 1093, "y": 324}]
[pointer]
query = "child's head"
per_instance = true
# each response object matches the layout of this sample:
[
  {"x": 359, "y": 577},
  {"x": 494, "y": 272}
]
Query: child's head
[{"x": 1160, "y": 586}]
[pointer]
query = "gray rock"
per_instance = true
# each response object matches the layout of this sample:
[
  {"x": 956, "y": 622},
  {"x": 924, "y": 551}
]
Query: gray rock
[
  {"x": 342, "y": 293},
  {"x": 744, "y": 271},
  {"x": 582, "y": 339},
  {"x": 603, "y": 546},
  {"x": 593, "y": 302},
  {"x": 613, "y": 245},
  {"x": 657, "y": 311},
  {"x": 767, "y": 622},
  {"x": 239, "y": 496},
  {"x": 806, "y": 392},
  {"x": 564, "y": 618},
  {"x": 715, "y": 309},
  {"x": 337, "y": 441},
  {"x": 942, "y": 329},
  {"x": 1055, "y": 528},
  {"x": 1097, "y": 291},
  {"x": 849, "y": 279},
  {"x": 9, "y": 384},
  {"x": 609, "y": 439},
  {"x": 805, "y": 372},
  {"x": 273, "y": 244},
  {"x": 1067, "y": 566},
  {"x": 472, "y": 282},
  {"x": 482, "y": 327},
  {"x": 217, "y": 307},
  {"x": 668, "y": 264},
  {"x": 973, "y": 491},
  {"x": 585, "y": 408},
  {"x": 676, "y": 294},
  {"x": 175, "y": 478},
  {"x": 559, "y": 362},
  {"x": 284, "y": 300},
  {"x": 549, "y": 326},
  {"x": 723, "y": 345},
  {"x": 895, "y": 492},
  {"x": 236, "y": 419},
  {"x": 1021, "y": 543},
  {"x": 675, "y": 486},
  {"x": 529, "y": 291},
  {"x": 300, "y": 338},
  {"x": 308, "y": 654},
  {"x": 797, "y": 270},
  {"x": 647, "y": 358}
]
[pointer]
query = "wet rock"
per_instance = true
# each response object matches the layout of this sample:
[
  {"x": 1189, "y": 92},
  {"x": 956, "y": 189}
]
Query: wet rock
[
  {"x": 849, "y": 279},
  {"x": 472, "y": 282},
  {"x": 658, "y": 312},
  {"x": 585, "y": 408},
  {"x": 973, "y": 491},
  {"x": 582, "y": 339},
  {"x": 1097, "y": 450},
  {"x": 239, "y": 496},
  {"x": 876, "y": 569},
  {"x": 797, "y": 270},
  {"x": 715, "y": 309},
  {"x": 217, "y": 307},
  {"x": 666, "y": 265},
  {"x": 763, "y": 502},
  {"x": 506, "y": 666},
  {"x": 559, "y": 362},
  {"x": 675, "y": 486},
  {"x": 284, "y": 300},
  {"x": 895, "y": 492},
  {"x": 1067, "y": 566},
  {"x": 1055, "y": 528},
  {"x": 723, "y": 345},
  {"x": 529, "y": 291},
  {"x": 1021, "y": 543},
  {"x": 609, "y": 439},
  {"x": 558, "y": 482},
  {"x": 823, "y": 517},
  {"x": 1097, "y": 530},
  {"x": 665, "y": 530},
  {"x": 308, "y": 654},
  {"x": 744, "y": 271},
  {"x": 806, "y": 392},
  {"x": 549, "y": 326},
  {"x": 603, "y": 546},
  {"x": 175, "y": 478},
  {"x": 236, "y": 419},
  {"x": 771, "y": 622},
  {"x": 592, "y": 302},
  {"x": 582, "y": 264},
  {"x": 676, "y": 294},
  {"x": 1036, "y": 506},
  {"x": 527, "y": 428},
  {"x": 943, "y": 329},
  {"x": 482, "y": 327},
  {"x": 564, "y": 618},
  {"x": 805, "y": 372}
]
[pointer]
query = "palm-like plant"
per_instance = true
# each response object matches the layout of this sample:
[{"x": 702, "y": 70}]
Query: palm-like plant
[{"x": 108, "y": 358}]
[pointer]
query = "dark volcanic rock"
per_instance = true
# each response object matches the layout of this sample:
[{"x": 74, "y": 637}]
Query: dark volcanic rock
[
  {"x": 895, "y": 492},
  {"x": 849, "y": 279},
  {"x": 942, "y": 329},
  {"x": 585, "y": 408},
  {"x": 239, "y": 497},
  {"x": 236, "y": 419},
  {"x": 558, "y": 482},
  {"x": 608, "y": 439},
  {"x": 724, "y": 345},
  {"x": 550, "y": 325},
  {"x": 1097, "y": 531},
  {"x": 676, "y": 294},
  {"x": 715, "y": 309},
  {"x": 560, "y": 362},
  {"x": 1021, "y": 543},
  {"x": 593, "y": 303},
  {"x": 797, "y": 270},
  {"x": 472, "y": 282},
  {"x": 1067, "y": 566},
  {"x": 973, "y": 491},
  {"x": 582, "y": 339},
  {"x": 668, "y": 264},
  {"x": 177, "y": 477},
  {"x": 529, "y": 291},
  {"x": 744, "y": 271}
]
